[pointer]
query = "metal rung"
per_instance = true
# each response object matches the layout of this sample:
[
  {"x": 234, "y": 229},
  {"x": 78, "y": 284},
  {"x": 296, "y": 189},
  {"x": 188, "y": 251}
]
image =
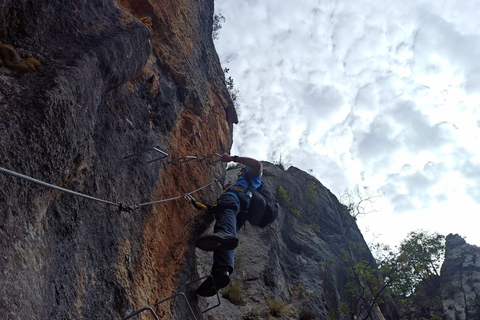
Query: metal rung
[
  {"x": 140, "y": 311},
  {"x": 156, "y": 148},
  {"x": 164, "y": 154},
  {"x": 174, "y": 296},
  {"x": 182, "y": 159},
  {"x": 218, "y": 297},
  {"x": 212, "y": 155}
]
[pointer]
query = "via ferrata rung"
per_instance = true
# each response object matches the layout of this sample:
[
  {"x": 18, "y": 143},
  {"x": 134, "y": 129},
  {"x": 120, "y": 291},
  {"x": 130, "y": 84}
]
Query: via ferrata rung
[
  {"x": 182, "y": 160},
  {"x": 155, "y": 148},
  {"x": 140, "y": 311},
  {"x": 212, "y": 155}
]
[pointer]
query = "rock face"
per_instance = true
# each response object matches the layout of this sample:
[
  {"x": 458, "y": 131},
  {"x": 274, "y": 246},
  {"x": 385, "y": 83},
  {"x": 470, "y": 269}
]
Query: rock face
[
  {"x": 460, "y": 277},
  {"x": 114, "y": 80},
  {"x": 92, "y": 95},
  {"x": 298, "y": 262},
  {"x": 107, "y": 86}
]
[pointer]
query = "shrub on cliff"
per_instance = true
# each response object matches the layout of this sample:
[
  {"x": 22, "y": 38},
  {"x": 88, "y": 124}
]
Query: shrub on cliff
[
  {"x": 277, "y": 307},
  {"x": 218, "y": 19},
  {"x": 235, "y": 293}
]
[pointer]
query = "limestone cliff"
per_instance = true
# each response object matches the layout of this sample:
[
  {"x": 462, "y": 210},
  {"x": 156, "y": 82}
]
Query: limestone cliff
[
  {"x": 108, "y": 86},
  {"x": 460, "y": 280},
  {"x": 113, "y": 81},
  {"x": 301, "y": 264},
  {"x": 92, "y": 95}
]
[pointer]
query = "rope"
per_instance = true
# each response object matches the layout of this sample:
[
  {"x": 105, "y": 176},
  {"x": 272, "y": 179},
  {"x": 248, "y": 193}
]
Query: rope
[
  {"x": 45, "y": 184},
  {"x": 120, "y": 205},
  {"x": 175, "y": 198}
]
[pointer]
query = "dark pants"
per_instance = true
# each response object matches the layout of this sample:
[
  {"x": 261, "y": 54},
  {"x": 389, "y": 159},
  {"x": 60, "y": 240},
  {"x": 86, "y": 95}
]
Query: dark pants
[{"x": 227, "y": 220}]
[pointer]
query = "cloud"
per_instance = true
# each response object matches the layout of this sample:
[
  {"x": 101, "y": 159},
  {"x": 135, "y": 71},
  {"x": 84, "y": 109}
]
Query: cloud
[
  {"x": 323, "y": 167},
  {"x": 380, "y": 93},
  {"x": 472, "y": 83},
  {"x": 324, "y": 100},
  {"x": 471, "y": 171},
  {"x": 378, "y": 145},
  {"x": 437, "y": 39},
  {"x": 418, "y": 134},
  {"x": 402, "y": 129},
  {"x": 411, "y": 189}
]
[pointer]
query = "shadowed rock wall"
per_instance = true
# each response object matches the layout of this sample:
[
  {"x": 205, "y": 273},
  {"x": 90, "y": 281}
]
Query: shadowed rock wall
[
  {"x": 115, "y": 79},
  {"x": 108, "y": 86},
  {"x": 297, "y": 261}
]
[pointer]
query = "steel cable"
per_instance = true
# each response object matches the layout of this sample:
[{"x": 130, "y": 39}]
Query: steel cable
[
  {"x": 120, "y": 205},
  {"x": 179, "y": 197},
  {"x": 45, "y": 184}
]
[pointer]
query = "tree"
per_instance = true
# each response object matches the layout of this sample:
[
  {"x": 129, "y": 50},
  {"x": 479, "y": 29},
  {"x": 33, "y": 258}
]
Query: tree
[
  {"x": 413, "y": 272},
  {"x": 409, "y": 272},
  {"x": 360, "y": 202},
  {"x": 365, "y": 290},
  {"x": 232, "y": 90},
  {"x": 418, "y": 260},
  {"x": 218, "y": 19}
]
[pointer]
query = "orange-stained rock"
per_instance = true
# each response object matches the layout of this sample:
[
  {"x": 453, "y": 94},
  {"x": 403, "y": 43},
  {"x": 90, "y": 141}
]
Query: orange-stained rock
[{"x": 116, "y": 79}]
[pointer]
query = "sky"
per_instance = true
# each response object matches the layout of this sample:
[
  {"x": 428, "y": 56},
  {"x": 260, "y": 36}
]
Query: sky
[{"x": 379, "y": 94}]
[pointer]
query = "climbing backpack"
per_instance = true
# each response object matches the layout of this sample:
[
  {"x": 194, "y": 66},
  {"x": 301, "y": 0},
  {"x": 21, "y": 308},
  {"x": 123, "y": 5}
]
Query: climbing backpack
[{"x": 263, "y": 208}]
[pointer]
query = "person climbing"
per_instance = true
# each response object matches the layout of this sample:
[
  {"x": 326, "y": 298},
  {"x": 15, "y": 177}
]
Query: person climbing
[{"x": 227, "y": 222}]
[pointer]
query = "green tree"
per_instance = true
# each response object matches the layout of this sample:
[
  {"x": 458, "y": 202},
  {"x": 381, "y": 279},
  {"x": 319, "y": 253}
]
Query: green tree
[
  {"x": 412, "y": 270},
  {"x": 418, "y": 259},
  {"x": 365, "y": 289},
  {"x": 409, "y": 272}
]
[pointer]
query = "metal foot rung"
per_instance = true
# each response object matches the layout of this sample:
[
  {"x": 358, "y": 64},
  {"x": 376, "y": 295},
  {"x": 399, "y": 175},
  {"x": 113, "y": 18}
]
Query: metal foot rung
[
  {"x": 156, "y": 148},
  {"x": 140, "y": 311},
  {"x": 218, "y": 297},
  {"x": 173, "y": 297}
]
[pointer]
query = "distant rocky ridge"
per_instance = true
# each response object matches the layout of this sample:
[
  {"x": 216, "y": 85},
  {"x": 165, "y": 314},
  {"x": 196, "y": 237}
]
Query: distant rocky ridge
[
  {"x": 460, "y": 280},
  {"x": 298, "y": 260}
]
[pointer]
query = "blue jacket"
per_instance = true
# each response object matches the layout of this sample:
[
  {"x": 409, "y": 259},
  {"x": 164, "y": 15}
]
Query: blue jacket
[{"x": 249, "y": 183}]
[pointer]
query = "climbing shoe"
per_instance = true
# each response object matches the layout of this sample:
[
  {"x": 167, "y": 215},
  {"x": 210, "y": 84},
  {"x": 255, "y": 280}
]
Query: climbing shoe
[
  {"x": 220, "y": 276},
  {"x": 217, "y": 241}
]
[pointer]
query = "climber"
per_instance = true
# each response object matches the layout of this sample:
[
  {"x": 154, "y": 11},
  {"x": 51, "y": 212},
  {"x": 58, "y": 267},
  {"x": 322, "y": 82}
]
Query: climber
[{"x": 227, "y": 222}]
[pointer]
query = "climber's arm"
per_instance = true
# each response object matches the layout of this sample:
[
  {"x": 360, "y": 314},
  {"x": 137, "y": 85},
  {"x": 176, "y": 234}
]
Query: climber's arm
[{"x": 254, "y": 165}]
